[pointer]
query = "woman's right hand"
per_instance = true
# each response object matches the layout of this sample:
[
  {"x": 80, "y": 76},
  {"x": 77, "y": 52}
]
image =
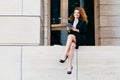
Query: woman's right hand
[{"x": 68, "y": 29}]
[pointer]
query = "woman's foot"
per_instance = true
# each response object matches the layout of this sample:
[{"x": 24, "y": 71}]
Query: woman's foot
[
  {"x": 62, "y": 61},
  {"x": 70, "y": 70}
]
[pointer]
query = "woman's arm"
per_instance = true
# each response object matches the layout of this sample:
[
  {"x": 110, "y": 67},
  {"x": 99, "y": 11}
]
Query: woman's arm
[
  {"x": 68, "y": 29},
  {"x": 83, "y": 28},
  {"x": 76, "y": 30}
]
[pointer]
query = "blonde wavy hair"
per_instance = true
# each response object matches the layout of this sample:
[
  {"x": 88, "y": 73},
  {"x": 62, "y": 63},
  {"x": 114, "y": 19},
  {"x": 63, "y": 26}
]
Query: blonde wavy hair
[{"x": 82, "y": 13}]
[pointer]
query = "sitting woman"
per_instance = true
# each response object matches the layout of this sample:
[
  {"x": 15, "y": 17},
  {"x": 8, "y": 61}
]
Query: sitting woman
[{"x": 76, "y": 35}]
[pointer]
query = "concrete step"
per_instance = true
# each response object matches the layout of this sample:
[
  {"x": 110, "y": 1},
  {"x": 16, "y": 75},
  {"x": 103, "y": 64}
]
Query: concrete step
[
  {"x": 99, "y": 63},
  {"x": 42, "y": 63}
]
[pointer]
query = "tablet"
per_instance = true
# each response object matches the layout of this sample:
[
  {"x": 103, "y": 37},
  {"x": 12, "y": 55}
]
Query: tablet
[{"x": 69, "y": 25}]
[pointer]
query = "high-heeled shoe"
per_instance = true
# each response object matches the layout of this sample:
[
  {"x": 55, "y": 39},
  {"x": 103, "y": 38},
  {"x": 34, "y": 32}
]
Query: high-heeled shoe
[
  {"x": 69, "y": 72},
  {"x": 62, "y": 61}
]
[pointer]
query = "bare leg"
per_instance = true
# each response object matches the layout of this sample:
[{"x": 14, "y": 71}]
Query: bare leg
[
  {"x": 68, "y": 44},
  {"x": 71, "y": 54}
]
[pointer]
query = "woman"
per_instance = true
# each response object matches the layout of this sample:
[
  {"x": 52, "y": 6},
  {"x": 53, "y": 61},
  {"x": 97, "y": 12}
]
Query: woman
[{"x": 76, "y": 35}]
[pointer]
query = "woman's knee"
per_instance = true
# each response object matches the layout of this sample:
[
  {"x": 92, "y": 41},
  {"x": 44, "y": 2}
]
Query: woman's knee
[
  {"x": 71, "y": 36},
  {"x": 73, "y": 45}
]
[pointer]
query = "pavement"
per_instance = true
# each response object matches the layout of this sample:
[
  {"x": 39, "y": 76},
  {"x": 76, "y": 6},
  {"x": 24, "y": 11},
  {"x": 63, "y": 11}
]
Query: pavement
[{"x": 42, "y": 63}]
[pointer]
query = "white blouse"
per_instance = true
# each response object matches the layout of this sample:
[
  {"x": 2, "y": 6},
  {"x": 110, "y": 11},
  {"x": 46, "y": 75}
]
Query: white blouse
[{"x": 75, "y": 23}]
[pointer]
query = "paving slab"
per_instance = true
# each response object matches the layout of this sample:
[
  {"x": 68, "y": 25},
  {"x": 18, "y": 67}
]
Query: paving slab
[
  {"x": 42, "y": 63},
  {"x": 10, "y": 63},
  {"x": 99, "y": 63}
]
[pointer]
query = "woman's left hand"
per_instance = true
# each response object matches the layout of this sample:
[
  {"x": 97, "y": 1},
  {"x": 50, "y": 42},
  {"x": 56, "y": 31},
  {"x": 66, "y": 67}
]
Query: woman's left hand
[{"x": 74, "y": 29}]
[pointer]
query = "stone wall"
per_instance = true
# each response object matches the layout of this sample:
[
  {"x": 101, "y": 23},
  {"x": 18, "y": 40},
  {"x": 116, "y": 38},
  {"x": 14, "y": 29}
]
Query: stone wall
[
  {"x": 20, "y": 22},
  {"x": 109, "y": 22}
]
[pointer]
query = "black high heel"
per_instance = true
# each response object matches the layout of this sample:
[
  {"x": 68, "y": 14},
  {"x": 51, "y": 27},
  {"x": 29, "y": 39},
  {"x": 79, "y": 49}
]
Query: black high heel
[
  {"x": 69, "y": 72},
  {"x": 62, "y": 61}
]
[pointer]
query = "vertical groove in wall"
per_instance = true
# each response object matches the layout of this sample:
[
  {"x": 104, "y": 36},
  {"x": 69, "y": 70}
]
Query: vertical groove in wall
[
  {"x": 21, "y": 63},
  {"x": 22, "y": 7},
  {"x": 99, "y": 23},
  {"x": 46, "y": 22},
  {"x": 41, "y": 22}
]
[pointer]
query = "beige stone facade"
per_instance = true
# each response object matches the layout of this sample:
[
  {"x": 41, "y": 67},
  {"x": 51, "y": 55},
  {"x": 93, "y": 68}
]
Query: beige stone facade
[
  {"x": 20, "y": 22},
  {"x": 109, "y": 22},
  {"x": 28, "y": 22}
]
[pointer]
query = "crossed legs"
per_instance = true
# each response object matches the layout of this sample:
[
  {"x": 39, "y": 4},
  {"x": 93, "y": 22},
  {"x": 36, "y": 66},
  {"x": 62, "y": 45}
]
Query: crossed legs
[{"x": 69, "y": 51}]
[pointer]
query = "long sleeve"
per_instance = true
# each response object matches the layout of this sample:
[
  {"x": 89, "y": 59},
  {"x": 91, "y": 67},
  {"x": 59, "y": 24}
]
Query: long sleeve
[{"x": 83, "y": 28}]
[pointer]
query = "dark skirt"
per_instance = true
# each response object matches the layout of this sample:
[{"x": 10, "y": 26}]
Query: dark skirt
[{"x": 80, "y": 39}]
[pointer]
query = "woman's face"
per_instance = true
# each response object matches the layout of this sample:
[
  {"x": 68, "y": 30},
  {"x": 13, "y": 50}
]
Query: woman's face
[{"x": 76, "y": 14}]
